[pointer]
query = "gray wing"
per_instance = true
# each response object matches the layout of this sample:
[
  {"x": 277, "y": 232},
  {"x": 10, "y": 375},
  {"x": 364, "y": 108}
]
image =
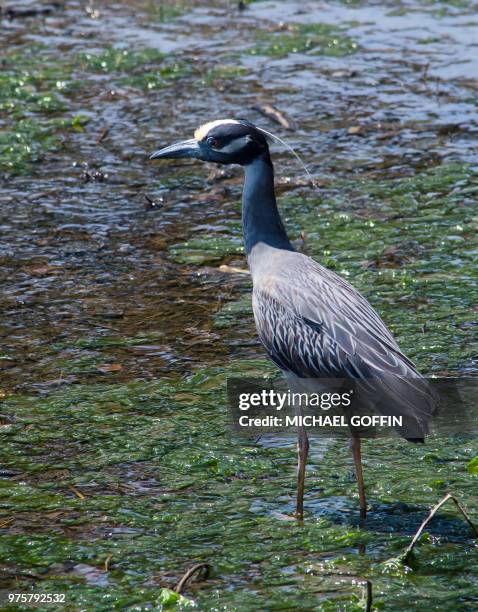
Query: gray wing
[
  {"x": 315, "y": 322},
  {"x": 315, "y": 325}
]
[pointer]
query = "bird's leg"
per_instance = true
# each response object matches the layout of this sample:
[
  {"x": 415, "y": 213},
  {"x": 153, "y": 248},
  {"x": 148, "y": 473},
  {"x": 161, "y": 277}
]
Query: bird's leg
[
  {"x": 355, "y": 445},
  {"x": 302, "y": 451}
]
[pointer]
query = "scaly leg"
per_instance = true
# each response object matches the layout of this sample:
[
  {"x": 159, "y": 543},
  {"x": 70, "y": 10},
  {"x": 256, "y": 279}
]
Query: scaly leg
[
  {"x": 355, "y": 445},
  {"x": 302, "y": 451}
]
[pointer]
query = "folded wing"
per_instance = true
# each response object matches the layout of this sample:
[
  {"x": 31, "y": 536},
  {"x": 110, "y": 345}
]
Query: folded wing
[{"x": 313, "y": 324}]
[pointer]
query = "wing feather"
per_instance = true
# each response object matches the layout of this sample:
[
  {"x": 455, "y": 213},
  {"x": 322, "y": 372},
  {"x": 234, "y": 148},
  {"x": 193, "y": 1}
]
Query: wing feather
[{"x": 313, "y": 324}]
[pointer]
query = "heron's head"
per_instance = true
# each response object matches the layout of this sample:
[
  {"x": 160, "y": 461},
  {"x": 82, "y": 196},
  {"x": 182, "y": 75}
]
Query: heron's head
[{"x": 226, "y": 141}]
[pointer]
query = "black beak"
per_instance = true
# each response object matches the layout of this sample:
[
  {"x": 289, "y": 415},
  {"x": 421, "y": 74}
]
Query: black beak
[{"x": 180, "y": 150}]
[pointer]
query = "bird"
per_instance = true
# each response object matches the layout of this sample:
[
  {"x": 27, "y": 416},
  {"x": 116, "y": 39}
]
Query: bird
[{"x": 314, "y": 325}]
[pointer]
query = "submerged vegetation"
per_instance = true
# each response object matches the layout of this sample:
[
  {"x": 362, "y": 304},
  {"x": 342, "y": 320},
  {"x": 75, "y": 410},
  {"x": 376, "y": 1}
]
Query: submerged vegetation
[
  {"x": 34, "y": 108},
  {"x": 39, "y": 93},
  {"x": 146, "y": 68},
  {"x": 149, "y": 477},
  {"x": 126, "y": 305},
  {"x": 318, "y": 38},
  {"x": 399, "y": 239},
  {"x": 119, "y": 59},
  {"x": 116, "y": 460}
]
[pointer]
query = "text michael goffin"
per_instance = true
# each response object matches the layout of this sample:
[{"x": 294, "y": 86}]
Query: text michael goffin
[{"x": 257, "y": 407}]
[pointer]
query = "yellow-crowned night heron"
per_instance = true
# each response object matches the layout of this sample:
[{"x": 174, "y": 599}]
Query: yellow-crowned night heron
[{"x": 312, "y": 323}]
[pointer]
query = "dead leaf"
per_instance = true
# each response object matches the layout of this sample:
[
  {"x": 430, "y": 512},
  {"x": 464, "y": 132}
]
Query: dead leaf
[
  {"x": 109, "y": 367},
  {"x": 344, "y": 74},
  {"x": 275, "y": 115},
  {"x": 78, "y": 493},
  {"x": 103, "y": 134},
  {"x": 233, "y": 270},
  {"x": 43, "y": 270}
]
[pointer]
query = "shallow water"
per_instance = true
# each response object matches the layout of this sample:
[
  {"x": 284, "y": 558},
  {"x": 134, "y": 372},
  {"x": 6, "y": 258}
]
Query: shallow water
[{"x": 120, "y": 327}]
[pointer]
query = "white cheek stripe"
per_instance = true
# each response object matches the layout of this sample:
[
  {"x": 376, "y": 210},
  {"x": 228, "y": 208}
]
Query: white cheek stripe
[
  {"x": 235, "y": 145},
  {"x": 203, "y": 131}
]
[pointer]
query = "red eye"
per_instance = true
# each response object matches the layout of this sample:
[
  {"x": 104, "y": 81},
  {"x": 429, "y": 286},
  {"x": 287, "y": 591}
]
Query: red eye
[{"x": 212, "y": 142}]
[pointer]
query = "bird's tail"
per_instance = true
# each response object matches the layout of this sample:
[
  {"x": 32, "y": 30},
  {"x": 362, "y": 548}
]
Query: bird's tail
[{"x": 412, "y": 399}]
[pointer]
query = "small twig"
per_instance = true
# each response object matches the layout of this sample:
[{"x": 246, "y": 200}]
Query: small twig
[
  {"x": 232, "y": 269},
  {"x": 107, "y": 562},
  {"x": 433, "y": 511},
  {"x": 19, "y": 13},
  {"x": 267, "y": 110},
  {"x": 76, "y": 492},
  {"x": 425, "y": 71},
  {"x": 149, "y": 203},
  {"x": 368, "y": 587},
  {"x": 16, "y": 575},
  {"x": 103, "y": 134},
  {"x": 190, "y": 573}
]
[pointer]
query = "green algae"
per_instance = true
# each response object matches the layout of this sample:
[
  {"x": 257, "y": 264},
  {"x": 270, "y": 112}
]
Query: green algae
[
  {"x": 161, "y": 77},
  {"x": 164, "y": 12},
  {"x": 167, "y": 597},
  {"x": 120, "y": 59},
  {"x": 223, "y": 73},
  {"x": 472, "y": 466},
  {"x": 108, "y": 341},
  {"x": 317, "y": 38},
  {"x": 233, "y": 312},
  {"x": 400, "y": 242},
  {"x": 29, "y": 141},
  {"x": 205, "y": 249},
  {"x": 199, "y": 494},
  {"x": 30, "y": 83},
  {"x": 38, "y": 90},
  {"x": 33, "y": 106},
  {"x": 144, "y": 68}
]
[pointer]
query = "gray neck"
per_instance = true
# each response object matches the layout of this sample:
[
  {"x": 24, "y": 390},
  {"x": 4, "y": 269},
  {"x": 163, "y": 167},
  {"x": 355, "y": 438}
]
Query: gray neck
[{"x": 261, "y": 221}]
